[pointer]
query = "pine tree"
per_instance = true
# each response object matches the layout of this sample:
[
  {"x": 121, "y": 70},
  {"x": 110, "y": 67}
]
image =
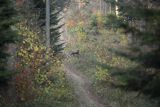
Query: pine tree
[
  {"x": 39, "y": 24},
  {"x": 7, "y": 35},
  {"x": 141, "y": 19},
  {"x": 55, "y": 34},
  {"x": 56, "y": 44}
]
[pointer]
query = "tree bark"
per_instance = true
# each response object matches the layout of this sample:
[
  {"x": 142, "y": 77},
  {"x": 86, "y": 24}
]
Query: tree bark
[{"x": 48, "y": 23}]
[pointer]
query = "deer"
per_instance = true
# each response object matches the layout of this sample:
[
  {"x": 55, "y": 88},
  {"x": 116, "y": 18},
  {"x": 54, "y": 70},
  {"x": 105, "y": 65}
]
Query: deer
[{"x": 75, "y": 53}]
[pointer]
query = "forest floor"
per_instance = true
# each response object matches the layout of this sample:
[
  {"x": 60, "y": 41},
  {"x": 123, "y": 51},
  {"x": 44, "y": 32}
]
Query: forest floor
[
  {"x": 97, "y": 73},
  {"x": 81, "y": 86}
]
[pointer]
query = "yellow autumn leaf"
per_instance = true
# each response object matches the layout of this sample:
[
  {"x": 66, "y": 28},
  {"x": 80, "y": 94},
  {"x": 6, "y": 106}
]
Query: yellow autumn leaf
[{"x": 36, "y": 49}]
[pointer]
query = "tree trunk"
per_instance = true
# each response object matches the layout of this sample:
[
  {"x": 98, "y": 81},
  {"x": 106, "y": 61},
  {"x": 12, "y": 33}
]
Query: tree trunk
[
  {"x": 48, "y": 23},
  {"x": 117, "y": 13}
]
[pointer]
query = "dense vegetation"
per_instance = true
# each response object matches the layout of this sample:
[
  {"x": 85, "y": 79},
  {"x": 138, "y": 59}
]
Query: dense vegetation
[
  {"x": 7, "y": 35},
  {"x": 38, "y": 78},
  {"x": 111, "y": 47},
  {"x": 117, "y": 51},
  {"x": 141, "y": 20}
]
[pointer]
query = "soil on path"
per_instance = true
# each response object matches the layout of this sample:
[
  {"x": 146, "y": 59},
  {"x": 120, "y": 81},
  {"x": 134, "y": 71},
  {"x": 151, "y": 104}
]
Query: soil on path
[{"x": 81, "y": 86}]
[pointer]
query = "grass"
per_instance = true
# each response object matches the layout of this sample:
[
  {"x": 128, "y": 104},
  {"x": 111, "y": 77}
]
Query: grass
[{"x": 96, "y": 52}]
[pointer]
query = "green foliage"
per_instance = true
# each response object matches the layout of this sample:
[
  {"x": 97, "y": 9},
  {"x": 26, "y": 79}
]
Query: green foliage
[
  {"x": 55, "y": 34},
  {"x": 141, "y": 20},
  {"x": 102, "y": 74},
  {"x": 7, "y": 35},
  {"x": 78, "y": 30},
  {"x": 94, "y": 24},
  {"x": 111, "y": 1},
  {"x": 111, "y": 51},
  {"x": 56, "y": 44},
  {"x": 112, "y": 21},
  {"x": 97, "y": 21},
  {"x": 41, "y": 80},
  {"x": 32, "y": 57}
]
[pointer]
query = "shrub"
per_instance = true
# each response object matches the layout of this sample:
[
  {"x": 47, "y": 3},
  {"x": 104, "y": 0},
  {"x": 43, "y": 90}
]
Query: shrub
[{"x": 102, "y": 74}]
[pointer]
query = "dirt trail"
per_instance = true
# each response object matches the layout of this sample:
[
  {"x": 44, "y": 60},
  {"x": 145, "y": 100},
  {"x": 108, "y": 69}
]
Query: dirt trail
[{"x": 81, "y": 86}]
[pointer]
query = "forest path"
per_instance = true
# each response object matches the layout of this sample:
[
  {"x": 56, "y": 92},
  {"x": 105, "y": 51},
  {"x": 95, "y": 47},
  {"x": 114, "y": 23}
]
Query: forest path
[{"x": 81, "y": 86}]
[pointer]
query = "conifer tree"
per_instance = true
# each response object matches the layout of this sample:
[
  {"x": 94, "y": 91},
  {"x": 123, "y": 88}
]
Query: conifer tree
[
  {"x": 56, "y": 44},
  {"x": 55, "y": 34},
  {"x": 141, "y": 19},
  {"x": 7, "y": 35}
]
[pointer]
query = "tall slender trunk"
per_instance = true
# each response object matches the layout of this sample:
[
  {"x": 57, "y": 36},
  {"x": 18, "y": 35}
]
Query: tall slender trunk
[
  {"x": 110, "y": 8},
  {"x": 105, "y": 8},
  {"x": 100, "y": 6},
  {"x": 117, "y": 13},
  {"x": 48, "y": 23}
]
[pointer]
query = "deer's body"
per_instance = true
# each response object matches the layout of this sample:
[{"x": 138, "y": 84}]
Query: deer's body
[{"x": 75, "y": 53}]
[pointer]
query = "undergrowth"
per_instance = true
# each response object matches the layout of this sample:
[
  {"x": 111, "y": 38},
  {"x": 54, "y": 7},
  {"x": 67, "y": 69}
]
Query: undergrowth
[{"x": 109, "y": 71}]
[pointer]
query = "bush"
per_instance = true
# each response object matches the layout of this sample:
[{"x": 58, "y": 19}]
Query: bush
[
  {"x": 41, "y": 80},
  {"x": 102, "y": 74}
]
